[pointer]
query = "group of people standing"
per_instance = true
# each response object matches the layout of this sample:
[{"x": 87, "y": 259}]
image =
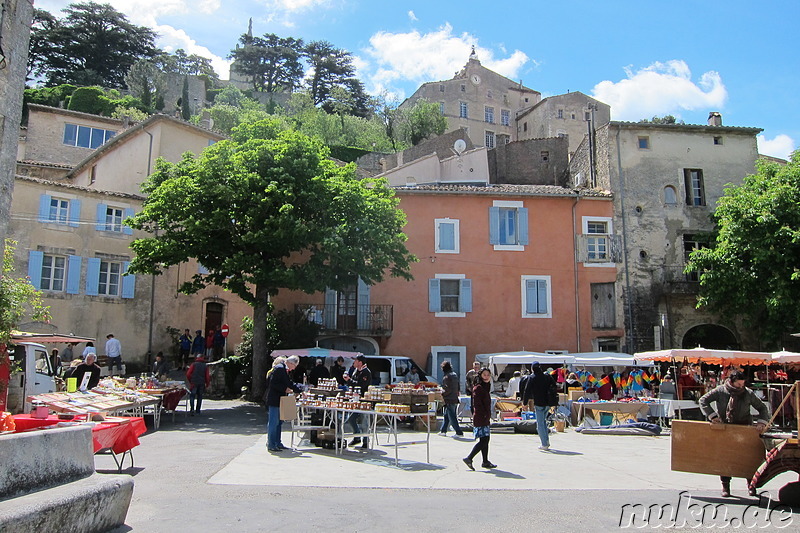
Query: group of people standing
[{"x": 211, "y": 346}]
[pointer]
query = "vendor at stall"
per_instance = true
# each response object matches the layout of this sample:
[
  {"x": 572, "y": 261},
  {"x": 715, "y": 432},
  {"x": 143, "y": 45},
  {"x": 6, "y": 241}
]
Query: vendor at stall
[
  {"x": 358, "y": 378},
  {"x": 89, "y": 366},
  {"x": 731, "y": 405}
]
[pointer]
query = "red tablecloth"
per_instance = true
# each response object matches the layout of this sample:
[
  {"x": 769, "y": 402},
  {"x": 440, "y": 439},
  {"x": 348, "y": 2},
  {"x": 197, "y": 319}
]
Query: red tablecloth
[
  {"x": 119, "y": 434},
  {"x": 172, "y": 398}
]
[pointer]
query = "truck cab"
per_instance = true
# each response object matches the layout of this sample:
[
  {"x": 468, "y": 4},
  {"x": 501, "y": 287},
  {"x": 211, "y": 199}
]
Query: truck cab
[{"x": 36, "y": 375}]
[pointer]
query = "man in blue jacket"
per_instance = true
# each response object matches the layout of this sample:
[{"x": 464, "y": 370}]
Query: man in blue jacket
[{"x": 280, "y": 384}]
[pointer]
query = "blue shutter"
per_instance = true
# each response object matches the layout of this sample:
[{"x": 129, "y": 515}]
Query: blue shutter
[
  {"x": 44, "y": 207},
  {"x": 434, "y": 296},
  {"x": 522, "y": 225},
  {"x": 465, "y": 296},
  {"x": 73, "y": 274},
  {"x": 541, "y": 289},
  {"x": 35, "y": 259},
  {"x": 101, "y": 217},
  {"x": 74, "y": 212},
  {"x": 531, "y": 296},
  {"x": 92, "y": 276},
  {"x": 494, "y": 225},
  {"x": 362, "y": 311},
  {"x": 128, "y": 281},
  {"x": 329, "y": 314},
  {"x": 447, "y": 236},
  {"x": 128, "y": 213}
]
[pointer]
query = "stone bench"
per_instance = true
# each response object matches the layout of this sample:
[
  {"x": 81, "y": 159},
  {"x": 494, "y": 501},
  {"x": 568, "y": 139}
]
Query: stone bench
[{"x": 48, "y": 483}]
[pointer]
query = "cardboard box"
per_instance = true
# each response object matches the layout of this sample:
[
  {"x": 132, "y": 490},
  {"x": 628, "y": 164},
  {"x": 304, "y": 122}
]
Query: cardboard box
[
  {"x": 419, "y": 423},
  {"x": 401, "y": 398},
  {"x": 717, "y": 449},
  {"x": 575, "y": 395}
]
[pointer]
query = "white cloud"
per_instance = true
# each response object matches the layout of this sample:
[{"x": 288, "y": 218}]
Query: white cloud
[
  {"x": 435, "y": 55},
  {"x": 412, "y": 16},
  {"x": 661, "y": 89},
  {"x": 780, "y": 146},
  {"x": 294, "y": 5},
  {"x": 170, "y": 39}
]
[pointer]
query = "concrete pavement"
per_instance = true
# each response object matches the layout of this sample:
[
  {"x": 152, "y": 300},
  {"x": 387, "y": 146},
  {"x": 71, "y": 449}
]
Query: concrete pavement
[{"x": 213, "y": 472}]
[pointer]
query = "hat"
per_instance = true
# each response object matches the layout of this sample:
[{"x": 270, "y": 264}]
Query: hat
[
  {"x": 362, "y": 358},
  {"x": 199, "y": 357}
]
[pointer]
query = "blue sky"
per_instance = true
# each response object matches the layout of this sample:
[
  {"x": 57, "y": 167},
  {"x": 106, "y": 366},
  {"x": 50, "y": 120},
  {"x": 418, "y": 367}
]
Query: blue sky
[{"x": 677, "y": 57}]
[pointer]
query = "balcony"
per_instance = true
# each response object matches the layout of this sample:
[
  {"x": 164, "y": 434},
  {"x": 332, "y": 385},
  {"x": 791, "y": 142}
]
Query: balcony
[
  {"x": 360, "y": 320},
  {"x": 679, "y": 282}
]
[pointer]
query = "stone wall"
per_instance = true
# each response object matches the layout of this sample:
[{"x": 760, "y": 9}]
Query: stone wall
[{"x": 531, "y": 162}]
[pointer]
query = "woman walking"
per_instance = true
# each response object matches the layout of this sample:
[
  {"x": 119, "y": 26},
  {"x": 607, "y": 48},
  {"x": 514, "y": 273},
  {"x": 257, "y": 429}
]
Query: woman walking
[{"x": 481, "y": 416}]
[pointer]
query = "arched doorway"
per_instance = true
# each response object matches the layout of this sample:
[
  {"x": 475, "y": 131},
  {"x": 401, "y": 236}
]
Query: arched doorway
[
  {"x": 214, "y": 314},
  {"x": 710, "y": 336}
]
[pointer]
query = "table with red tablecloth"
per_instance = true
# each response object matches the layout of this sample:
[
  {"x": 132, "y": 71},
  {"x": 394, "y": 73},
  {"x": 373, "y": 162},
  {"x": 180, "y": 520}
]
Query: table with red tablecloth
[{"x": 118, "y": 434}]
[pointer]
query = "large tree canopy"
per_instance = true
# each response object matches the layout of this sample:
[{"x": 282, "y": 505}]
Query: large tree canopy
[
  {"x": 272, "y": 62},
  {"x": 94, "y": 44},
  {"x": 264, "y": 211},
  {"x": 753, "y": 267}
]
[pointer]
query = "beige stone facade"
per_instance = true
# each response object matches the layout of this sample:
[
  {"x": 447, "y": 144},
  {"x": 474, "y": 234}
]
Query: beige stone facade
[
  {"x": 75, "y": 247},
  {"x": 479, "y": 100},
  {"x": 666, "y": 181}
]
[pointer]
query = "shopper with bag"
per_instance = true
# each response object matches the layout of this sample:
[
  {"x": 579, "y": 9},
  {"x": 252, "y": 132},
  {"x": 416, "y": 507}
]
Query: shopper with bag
[{"x": 280, "y": 384}]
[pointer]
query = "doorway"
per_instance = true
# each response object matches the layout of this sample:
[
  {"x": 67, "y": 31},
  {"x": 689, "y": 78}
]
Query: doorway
[
  {"x": 214, "y": 312},
  {"x": 457, "y": 355}
]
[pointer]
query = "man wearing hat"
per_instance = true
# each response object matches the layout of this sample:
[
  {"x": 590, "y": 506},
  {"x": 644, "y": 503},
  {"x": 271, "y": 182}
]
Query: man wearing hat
[{"x": 358, "y": 378}]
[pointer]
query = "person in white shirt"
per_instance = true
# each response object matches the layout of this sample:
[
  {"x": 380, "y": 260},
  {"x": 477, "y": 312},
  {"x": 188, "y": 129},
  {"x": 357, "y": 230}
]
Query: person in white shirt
[
  {"x": 513, "y": 385},
  {"x": 113, "y": 352}
]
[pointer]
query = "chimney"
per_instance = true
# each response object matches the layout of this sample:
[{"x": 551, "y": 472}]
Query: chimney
[{"x": 715, "y": 119}]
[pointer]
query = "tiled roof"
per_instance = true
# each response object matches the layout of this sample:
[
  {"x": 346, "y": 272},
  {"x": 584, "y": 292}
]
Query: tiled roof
[
  {"x": 505, "y": 189},
  {"x": 67, "y": 185},
  {"x": 31, "y": 162},
  {"x": 686, "y": 127}
]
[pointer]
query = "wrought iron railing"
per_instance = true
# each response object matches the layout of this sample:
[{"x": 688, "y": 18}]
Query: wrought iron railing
[{"x": 356, "y": 319}]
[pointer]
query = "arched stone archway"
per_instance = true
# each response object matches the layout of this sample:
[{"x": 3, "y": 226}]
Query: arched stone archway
[{"x": 711, "y": 336}]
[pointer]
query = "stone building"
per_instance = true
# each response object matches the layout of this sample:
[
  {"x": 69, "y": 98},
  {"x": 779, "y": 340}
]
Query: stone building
[
  {"x": 666, "y": 180},
  {"x": 15, "y": 26},
  {"x": 479, "y": 100},
  {"x": 75, "y": 247}
]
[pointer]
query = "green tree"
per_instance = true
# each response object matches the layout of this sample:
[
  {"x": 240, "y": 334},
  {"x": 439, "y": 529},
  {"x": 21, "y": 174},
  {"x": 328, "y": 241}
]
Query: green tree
[
  {"x": 268, "y": 210},
  {"x": 422, "y": 121},
  {"x": 18, "y": 297},
  {"x": 666, "y": 119},
  {"x": 186, "y": 110},
  {"x": 330, "y": 67},
  {"x": 273, "y": 63},
  {"x": 753, "y": 268},
  {"x": 94, "y": 44},
  {"x": 146, "y": 82}
]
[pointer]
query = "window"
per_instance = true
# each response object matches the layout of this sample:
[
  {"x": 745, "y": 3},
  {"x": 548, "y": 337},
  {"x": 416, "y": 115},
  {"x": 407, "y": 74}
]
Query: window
[
  {"x": 54, "y": 269},
  {"x": 644, "y": 143},
  {"x": 597, "y": 241},
  {"x": 450, "y": 295},
  {"x": 462, "y": 110},
  {"x": 488, "y": 138},
  {"x": 717, "y": 140},
  {"x": 670, "y": 195},
  {"x": 524, "y": 126},
  {"x": 441, "y": 108},
  {"x": 536, "y": 297},
  {"x": 109, "y": 278},
  {"x": 505, "y": 117},
  {"x": 545, "y": 156},
  {"x": 463, "y": 88},
  {"x": 573, "y": 116},
  {"x": 508, "y": 225},
  {"x": 446, "y": 236},
  {"x": 64, "y": 210},
  {"x": 110, "y": 217},
  {"x": 695, "y": 193},
  {"x": 690, "y": 244},
  {"x": 560, "y": 113},
  {"x": 488, "y": 114},
  {"x": 54, "y": 272},
  {"x": 106, "y": 277},
  {"x": 85, "y": 136},
  {"x": 441, "y": 87},
  {"x": 489, "y": 94}
]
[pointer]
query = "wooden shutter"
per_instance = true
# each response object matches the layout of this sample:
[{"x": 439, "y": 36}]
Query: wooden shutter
[
  {"x": 363, "y": 311},
  {"x": 522, "y": 225},
  {"x": 35, "y": 259},
  {"x": 101, "y": 217},
  {"x": 73, "y": 274},
  {"x": 494, "y": 225},
  {"x": 44, "y": 207},
  {"x": 74, "y": 212},
  {"x": 465, "y": 296},
  {"x": 92, "y": 276},
  {"x": 329, "y": 314},
  {"x": 128, "y": 281},
  {"x": 434, "y": 296},
  {"x": 604, "y": 312},
  {"x": 129, "y": 212}
]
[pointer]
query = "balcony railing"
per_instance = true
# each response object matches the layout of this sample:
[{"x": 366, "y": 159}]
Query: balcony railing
[
  {"x": 681, "y": 282},
  {"x": 374, "y": 320}
]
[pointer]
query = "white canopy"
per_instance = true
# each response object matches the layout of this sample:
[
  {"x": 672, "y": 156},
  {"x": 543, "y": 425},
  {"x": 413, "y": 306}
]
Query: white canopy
[
  {"x": 608, "y": 359},
  {"x": 483, "y": 358}
]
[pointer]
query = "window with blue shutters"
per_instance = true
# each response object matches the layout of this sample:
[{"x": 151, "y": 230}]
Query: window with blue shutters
[
  {"x": 536, "y": 297},
  {"x": 56, "y": 209},
  {"x": 109, "y": 278},
  {"x": 111, "y": 218},
  {"x": 508, "y": 225},
  {"x": 446, "y": 236},
  {"x": 450, "y": 295},
  {"x": 54, "y": 273}
]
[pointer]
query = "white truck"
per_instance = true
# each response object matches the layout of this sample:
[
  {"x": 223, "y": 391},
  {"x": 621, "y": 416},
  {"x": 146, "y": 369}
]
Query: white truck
[{"x": 36, "y": 375}]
